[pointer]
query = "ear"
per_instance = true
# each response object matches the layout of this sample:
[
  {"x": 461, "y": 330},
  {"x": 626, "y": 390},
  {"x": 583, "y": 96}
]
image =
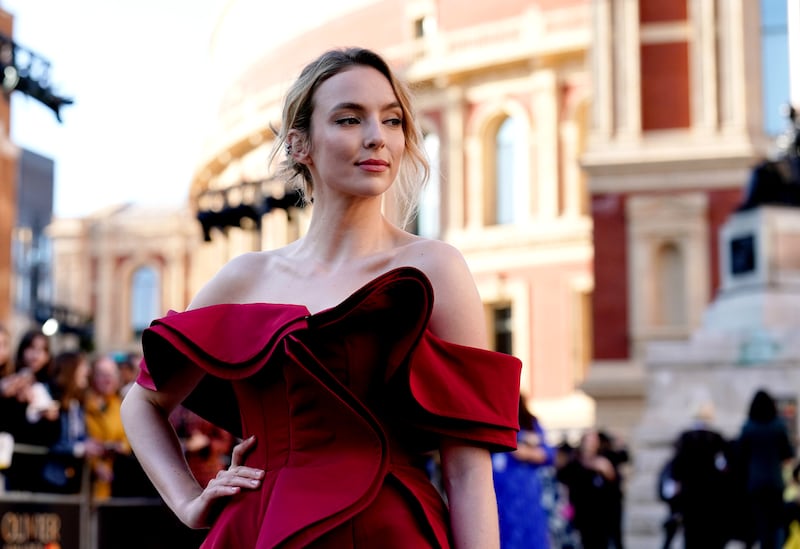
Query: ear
[{"x": 299, "y": 147}]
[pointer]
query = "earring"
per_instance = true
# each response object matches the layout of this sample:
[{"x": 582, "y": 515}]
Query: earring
[{"x": 288, "y": 148}]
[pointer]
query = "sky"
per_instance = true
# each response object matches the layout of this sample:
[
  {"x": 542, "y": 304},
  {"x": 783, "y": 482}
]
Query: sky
[{"x": 136, "y": 72}]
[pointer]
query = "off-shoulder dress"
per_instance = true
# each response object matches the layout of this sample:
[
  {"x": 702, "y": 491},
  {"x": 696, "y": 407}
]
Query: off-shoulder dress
[{"x": 345, "y": 404}]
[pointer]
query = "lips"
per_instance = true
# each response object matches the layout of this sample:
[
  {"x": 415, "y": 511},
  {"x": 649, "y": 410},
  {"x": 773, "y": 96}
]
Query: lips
[
  {"x": 373, "y": 165},
  {"x": 372, "y": 162}
]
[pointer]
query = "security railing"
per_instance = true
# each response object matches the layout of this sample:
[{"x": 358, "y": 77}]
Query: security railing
[{"x": 38, "y": 520}]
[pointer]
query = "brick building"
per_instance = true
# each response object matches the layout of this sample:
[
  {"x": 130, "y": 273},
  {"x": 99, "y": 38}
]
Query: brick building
[{"x": 496, "y": 86}]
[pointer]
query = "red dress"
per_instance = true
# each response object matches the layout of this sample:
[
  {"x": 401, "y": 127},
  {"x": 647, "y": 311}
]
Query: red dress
[{"x": 345, "y": 404}]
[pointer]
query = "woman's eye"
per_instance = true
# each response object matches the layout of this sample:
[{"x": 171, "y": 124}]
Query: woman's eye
[
  {"x": 395, "y": 121},
  {"x": 347, "y": 121}
]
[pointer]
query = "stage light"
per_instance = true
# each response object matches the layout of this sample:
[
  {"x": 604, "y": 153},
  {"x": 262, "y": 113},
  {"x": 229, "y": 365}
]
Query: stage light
[{"x": 26, "y": 72}]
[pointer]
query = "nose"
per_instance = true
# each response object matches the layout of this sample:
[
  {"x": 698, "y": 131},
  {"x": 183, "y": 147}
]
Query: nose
[{"x": 374, "y": 136}]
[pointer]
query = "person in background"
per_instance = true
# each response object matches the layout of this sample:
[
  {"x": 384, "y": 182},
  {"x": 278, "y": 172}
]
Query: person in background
[
  {"x": 331, "y": 357},
  {"x": 33, "y": 362},
  {"x": 104, "y": 424},
  {"x": 590, "y": 479},
  {"x": 207, "y": 447},
  {"x": 764, "y": 451},
  {"x": 128, "y": 371},
  {"x": 28, "y": 412},
  {"x": 6, "y": 369},
  {"x": 616, "y": 452},
  {"x": 523, "y": 518},
  {"x": 562, "y": 527},
  {"x": 700, "y": 468},
  {"x": 64, "y": 469}
]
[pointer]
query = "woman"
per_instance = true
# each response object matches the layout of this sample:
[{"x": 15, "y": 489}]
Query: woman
[
  {"x": 523, "y": 516},
  {"x": 590, "y": 479},
  {"x": 330, "y": 356},
  {"x": 63, "y": 472},
  {"x": 764, "y": 450},
  {"x": 28, "y": 411}
]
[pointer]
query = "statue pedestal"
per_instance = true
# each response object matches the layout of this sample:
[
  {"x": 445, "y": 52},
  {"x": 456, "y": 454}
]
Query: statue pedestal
[{"x": 749, "y": 339}]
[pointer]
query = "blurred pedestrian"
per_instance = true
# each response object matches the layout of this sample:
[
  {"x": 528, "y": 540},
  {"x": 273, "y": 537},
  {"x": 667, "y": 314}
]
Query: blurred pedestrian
[
  {"x": 700, "y": 468},
  {"x": 765, "y": 449},
  {"x": 562, "y": 528},
  {"x": 617, "y": 453},
  {"x": 64, "y": 469},
  {"x": 669, "y": 491},
  {"x": 590, "y": 478},
  {"x": 104, "y": 424},
  {"x": 28, "y": 412},
  {"x": 128, "y": 371},
  {"x": 523, "y": 517},
  {"x": 207, "y": 448}
]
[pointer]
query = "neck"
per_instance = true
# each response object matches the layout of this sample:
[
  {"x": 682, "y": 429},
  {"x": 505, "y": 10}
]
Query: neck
[{"x": 346, "y": 236}]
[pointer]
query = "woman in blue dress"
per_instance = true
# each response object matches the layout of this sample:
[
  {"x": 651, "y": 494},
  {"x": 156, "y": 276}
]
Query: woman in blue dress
[{"x": 523, "y": 517}]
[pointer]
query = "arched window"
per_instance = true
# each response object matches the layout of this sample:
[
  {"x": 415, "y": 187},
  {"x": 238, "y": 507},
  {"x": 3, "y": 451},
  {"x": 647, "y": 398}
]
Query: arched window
[
  {"x": 512, "y": 178},
  {"x": 429, "y": 222},
  {"x": 145, "y": 298},
  {"x": 670, "y": 290}
]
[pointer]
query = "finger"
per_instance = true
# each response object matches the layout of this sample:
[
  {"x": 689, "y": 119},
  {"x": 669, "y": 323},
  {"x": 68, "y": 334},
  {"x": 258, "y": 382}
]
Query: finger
[
  {"x": 246, "y": 472},
  {"x": 226, "y": 483},
  {"x": 241, "y": 449}
]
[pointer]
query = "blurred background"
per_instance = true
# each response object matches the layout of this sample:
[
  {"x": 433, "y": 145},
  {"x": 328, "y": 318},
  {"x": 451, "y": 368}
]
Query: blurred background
[{"x": 620, "y": 174}]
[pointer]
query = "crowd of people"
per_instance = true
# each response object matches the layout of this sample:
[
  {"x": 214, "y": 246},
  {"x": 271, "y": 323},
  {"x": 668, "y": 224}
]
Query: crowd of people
[
  {"x": 744, "y": 488},
  {"x": 61, "y": 413},
  {"x": 559, "y": 496}
]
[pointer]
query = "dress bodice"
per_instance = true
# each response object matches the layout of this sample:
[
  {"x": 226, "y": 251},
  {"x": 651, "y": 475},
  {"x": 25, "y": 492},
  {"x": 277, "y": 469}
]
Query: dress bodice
[{"x": 338, "y": 400}]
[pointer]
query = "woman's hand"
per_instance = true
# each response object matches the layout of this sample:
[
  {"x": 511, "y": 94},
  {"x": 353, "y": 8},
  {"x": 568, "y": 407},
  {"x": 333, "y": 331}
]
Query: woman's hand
[{"x": 199, "y": 512}]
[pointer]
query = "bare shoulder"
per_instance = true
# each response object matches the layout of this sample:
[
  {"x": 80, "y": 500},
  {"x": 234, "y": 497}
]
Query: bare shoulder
[
  {"x": 233, "y": 281},
  {"x": 458, "y": 310}
]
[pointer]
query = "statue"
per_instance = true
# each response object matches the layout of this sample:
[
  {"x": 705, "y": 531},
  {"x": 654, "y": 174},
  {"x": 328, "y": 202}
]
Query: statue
[{"x": 777, "y": 182}]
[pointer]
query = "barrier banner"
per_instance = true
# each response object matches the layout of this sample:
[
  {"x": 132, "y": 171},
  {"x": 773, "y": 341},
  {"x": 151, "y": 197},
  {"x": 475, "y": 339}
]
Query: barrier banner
[{"x": 39, "y": 525}]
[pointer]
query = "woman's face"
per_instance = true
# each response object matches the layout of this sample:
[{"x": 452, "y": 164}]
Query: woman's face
[
  {"x": 357, "y": 140},
  {"x": 36, "y": 355}
]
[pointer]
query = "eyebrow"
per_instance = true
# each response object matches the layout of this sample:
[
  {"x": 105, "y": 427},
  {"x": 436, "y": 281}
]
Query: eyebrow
[{"x": 357, "y": 106}]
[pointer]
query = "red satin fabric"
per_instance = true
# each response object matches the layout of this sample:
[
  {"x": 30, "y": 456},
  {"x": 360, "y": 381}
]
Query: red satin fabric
[{"x": 344, "y": 404}]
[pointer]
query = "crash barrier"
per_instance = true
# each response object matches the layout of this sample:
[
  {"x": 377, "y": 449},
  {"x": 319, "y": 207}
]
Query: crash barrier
[
  {"x": 53, "y": 521},
  {"x": 35, "y": 520}
]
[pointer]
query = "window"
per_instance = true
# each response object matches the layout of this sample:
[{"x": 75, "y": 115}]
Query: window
[
  {"x": 429, "y": 215},
  {"x": 502, "y": 331},
  {"x": 145, "y": 298},
  {"x": 774, "y": 64},
  {"x": 670, "y": 290},
  {"x": 512, "y": 181}
]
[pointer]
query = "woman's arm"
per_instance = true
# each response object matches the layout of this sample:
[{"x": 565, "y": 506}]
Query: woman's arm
[
  {"x": 458, "y": 316},
  {"x": 145, "y": 414},
  {"x": 467, "y": 475}
]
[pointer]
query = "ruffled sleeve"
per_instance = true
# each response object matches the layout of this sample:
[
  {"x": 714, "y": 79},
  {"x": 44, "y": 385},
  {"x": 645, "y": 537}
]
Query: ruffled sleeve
[
  {"x": 216, "y": 339},
  {"x": 464, "y": 392}
]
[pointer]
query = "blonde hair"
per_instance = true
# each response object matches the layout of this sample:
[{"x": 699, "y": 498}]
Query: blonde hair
[{"x": 299, "y": 106}]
